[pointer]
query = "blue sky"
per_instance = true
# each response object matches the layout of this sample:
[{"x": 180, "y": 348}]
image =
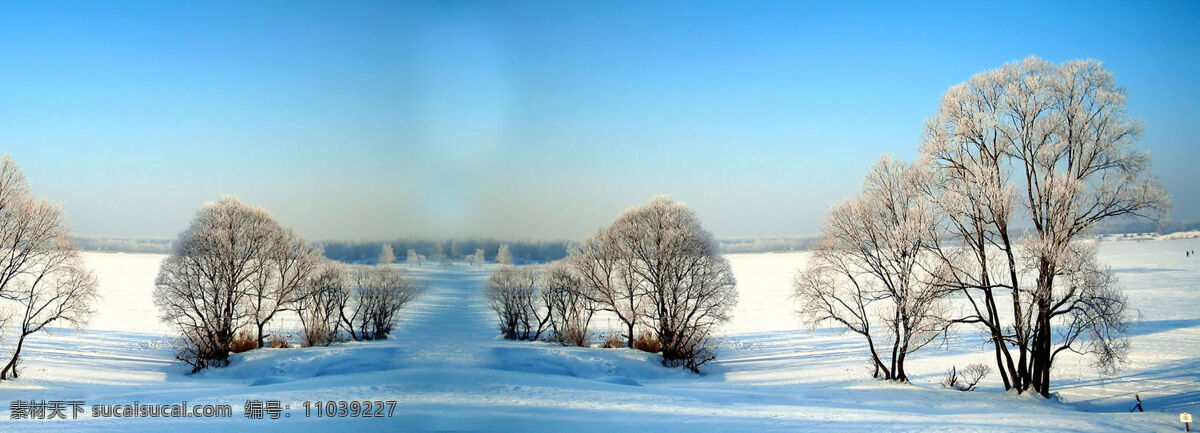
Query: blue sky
[{"x": 531, "y": 119}]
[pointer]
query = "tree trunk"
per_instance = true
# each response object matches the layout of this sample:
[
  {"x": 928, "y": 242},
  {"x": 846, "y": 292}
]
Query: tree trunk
[
  {"x": 12, "y": 363},
  {"x": 1040, "y": 374},
  {"x": 1004, "y": 373},
  {"x": 875, "y": 357},
  {"x": 989, "y": 302}
]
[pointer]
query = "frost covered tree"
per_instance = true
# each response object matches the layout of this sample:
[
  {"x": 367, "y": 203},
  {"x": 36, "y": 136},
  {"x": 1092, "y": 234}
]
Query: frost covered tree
[
  {"x": 688, "y": 286},
  {"x": 1049, "y": 147},
  {"x": 655, "y": 267},
  {"x": 607, "y": 276},
  {"x": 569, "y": 303},
  {"x": 285, "y": 269},
  {"x": 413, "y": 258},
  {"x": 477, "y": 257},
  {"x": 374, "y": 305},
  {"x": 867, "y": 272},
  {"x": 386, "y": 256},
  {"x": 503, "y": 256},
  {"x": 514, "y": 296},
  {"x": 203, "y": 287},
  {"x": 41, "y": 274},
  {"x": 320, "y": 306},
  {"x": 60, "y": 289}
]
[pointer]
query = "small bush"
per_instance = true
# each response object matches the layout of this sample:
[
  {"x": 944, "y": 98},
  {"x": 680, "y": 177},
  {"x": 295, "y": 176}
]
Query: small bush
[
  {"x": 689, "y": 354},
  {"x": 320, "y": 309},
  {"x": 378, "y": 296},
  {"x": 647, "y": 342},
  {"x": 201, "y": 353},
  {"x": 277, "y": 342},
  {"x": 316, "y": 333},
  {"x": 967, "y": 378},
  {"x": 951, "y": 379},
  {"x": 573, "y": 336},
  {"x": 512, "y": 293},
  {"x": 568, "y": 302},
  {"x": 613, "y": 342},
  {"x": 243, "y": 341}
]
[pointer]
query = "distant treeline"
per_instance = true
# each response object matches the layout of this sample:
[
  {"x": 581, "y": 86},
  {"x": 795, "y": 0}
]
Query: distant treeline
[
  {"x": 124, "y": 245},
  {"x": 765, "y": 245},
  {"x": 531, "y": 251},
  {"x": 1139, "y": 226},
  {"x": 366, "y": 252},
  {"x": 523, "y": 251}
]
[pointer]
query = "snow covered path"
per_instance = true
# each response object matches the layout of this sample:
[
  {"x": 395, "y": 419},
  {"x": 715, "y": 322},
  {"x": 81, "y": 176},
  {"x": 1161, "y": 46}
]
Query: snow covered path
[
  {"x": 448, "y": 371},
  {"x": 451, "y": 325}
]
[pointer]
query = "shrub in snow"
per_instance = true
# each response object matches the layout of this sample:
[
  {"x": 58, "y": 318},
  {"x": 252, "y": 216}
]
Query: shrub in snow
[
  {"x": 374, "y": 304},
  {"x": 320, "y": 309},
  {"x": 967, "y": 378},
  {"x": 243, "y": 342},
  {"x": 277, "y": 342},
  {"x": 512, "y": 292},
  {"x": 613, "y": 342},
  {"x": 285, "y": 272},
  {"x": 571, "y": 335},
  {"x": 569, "y": 304},
  {"x": 647, "y": 342},
  {"x": 317, "y": 333}
]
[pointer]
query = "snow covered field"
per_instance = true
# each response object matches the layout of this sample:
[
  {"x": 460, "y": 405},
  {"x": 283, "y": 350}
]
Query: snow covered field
[{"x": 447, "y": 371}]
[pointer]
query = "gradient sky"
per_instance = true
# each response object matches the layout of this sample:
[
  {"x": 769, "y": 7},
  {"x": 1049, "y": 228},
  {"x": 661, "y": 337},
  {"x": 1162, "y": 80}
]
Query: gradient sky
[{"x": 530, "y": 119}]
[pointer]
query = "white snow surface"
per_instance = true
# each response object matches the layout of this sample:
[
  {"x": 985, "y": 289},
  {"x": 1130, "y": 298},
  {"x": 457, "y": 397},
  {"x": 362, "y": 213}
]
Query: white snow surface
[{"x": 448, "y": 371}]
